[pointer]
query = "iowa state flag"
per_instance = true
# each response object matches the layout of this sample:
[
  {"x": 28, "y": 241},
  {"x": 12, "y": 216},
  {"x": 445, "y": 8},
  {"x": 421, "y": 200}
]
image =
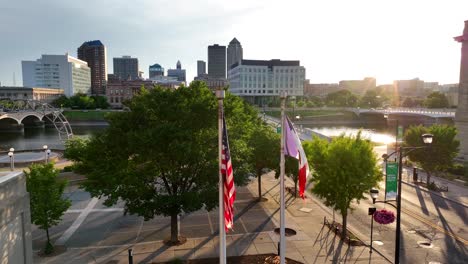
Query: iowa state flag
[{"x": 293, "y": 148}]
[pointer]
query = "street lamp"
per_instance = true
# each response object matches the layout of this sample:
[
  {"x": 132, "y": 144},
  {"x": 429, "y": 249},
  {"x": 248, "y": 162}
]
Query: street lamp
[
  {"x": 401, "y": 152},
  {"x": 47, "y": 155},
  {"x": 11, "y": 155},
  {"x": 45, "y": 147}
]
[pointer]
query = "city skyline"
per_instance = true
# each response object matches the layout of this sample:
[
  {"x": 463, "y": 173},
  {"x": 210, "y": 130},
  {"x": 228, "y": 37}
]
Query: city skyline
[{"x": 334, "y": 41}]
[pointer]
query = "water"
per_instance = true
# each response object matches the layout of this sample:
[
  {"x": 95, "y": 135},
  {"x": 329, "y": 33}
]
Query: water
[
  {"x": 377, "y": 135},
  {"x": 36, "y": 138}
]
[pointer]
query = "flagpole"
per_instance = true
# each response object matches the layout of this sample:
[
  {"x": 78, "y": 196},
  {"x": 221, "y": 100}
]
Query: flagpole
[
  {"x": 282, "y": 200},
  {"x": 222, "y": 231}
]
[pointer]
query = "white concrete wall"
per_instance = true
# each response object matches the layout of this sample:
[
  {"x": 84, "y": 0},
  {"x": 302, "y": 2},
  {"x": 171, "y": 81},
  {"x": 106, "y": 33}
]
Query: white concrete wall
[{"x": 15, "y": 219}]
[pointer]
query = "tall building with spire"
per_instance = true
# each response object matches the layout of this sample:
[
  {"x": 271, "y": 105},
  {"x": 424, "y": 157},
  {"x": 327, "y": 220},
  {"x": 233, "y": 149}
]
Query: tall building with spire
[
  {"x": 461, "y": 116},
  {"x": 234, "y": 53},
  {"x": 94, "y": 53},
  {"x": 178, "y": 72}
]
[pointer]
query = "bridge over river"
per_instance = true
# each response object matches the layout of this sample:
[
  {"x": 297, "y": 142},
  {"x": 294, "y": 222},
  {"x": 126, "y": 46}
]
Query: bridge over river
[{"x": 17, "y": 114}]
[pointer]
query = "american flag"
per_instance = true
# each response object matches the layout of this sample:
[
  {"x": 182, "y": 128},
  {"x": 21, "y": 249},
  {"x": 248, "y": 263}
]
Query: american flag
[{"x": 228, "y": 180}]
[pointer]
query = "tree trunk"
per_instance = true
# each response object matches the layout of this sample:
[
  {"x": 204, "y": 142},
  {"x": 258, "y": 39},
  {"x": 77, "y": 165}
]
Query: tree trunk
[
  {"x": 428, "y": 178},
  {"x": 174, "y": 229},
  {"x": 259, "y": 178},
  {"x": 345, "y": 224},
  {"x": 48, "y": 237}
]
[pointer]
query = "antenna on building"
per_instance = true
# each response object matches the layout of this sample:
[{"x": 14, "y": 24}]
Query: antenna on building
[{"x": 14, "y": 79}]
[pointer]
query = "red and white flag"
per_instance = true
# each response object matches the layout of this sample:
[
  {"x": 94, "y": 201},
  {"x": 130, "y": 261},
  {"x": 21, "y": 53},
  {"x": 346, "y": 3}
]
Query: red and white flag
[
  {"x": 293, "y": 148},
  {"x": 228, "y": 180}
]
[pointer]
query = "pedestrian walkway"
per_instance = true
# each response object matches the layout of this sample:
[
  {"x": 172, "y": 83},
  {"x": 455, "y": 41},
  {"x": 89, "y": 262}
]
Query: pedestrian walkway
[
  {"x": 456, "y": 192},
  {"x": 253, "y": 234}
]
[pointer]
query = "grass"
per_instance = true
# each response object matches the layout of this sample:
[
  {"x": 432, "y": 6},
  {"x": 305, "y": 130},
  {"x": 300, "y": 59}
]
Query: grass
[{"x": 86, "y": 115}]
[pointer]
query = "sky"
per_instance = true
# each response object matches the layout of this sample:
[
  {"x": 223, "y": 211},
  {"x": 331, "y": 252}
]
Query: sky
[{"x": 334, "y": 39}]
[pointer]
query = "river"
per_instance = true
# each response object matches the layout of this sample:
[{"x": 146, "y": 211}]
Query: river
[{"x": 36, "y": 138}]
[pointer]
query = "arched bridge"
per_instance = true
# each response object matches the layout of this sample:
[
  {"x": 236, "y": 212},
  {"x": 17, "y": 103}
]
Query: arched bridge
[{"x": 18, "y": 112}]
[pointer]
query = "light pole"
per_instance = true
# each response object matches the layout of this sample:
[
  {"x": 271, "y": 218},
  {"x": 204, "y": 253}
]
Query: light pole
[
  {"x": 12, "y": 158},
  {"x": 45, "y": 147},
  {"x": 401, "y": 152}
]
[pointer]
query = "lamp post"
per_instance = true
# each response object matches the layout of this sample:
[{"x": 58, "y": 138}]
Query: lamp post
[
  {"x": 45, "y": 147},
  {"x": 10, "y": 154},
  {"x": 401, "y": 152}
]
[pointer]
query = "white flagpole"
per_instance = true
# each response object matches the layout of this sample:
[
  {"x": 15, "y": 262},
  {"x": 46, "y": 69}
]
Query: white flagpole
[
  {"x": 282, "y": 200},
  {"x": 222, "y": 231}
]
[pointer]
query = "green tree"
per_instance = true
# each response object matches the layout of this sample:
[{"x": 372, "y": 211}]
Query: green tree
[
  {"x": 439, "y": 155},
  {"x": 62, "y": 101},
  {"x": 161, "y": 157},
  {"x": 46, "y": 201},
  {"x": 264, "y": 143},
  {"x": 436, "y": 100},
  {"x": 371, "y": 99},
  {"x": 100, "y": 101},
  {"x": 343, "y": 170},
  {"x": 342, "y": 98}
]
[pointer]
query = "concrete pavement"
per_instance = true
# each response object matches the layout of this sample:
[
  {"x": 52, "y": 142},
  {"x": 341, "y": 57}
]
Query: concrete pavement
[{"x": 104, "y": 235}]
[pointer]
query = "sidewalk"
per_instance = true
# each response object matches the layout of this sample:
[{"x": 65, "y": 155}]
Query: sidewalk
[
  {"x": 456, "y": 192},
  {"x": 313, "y": 243}
]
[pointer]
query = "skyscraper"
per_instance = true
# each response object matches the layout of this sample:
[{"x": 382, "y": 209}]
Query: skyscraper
[
  {"x": 156, "y": 70},
  {"x": 58, "y": 71},
  {"x": 94, "y": 53},
  {"x": 217, "y": 61},
  {"x": 126, "y": 68},
  {"x": 201, "y": 68},
  {"x": 234, "y": 53},
  {"x": 179, "y": 73}
]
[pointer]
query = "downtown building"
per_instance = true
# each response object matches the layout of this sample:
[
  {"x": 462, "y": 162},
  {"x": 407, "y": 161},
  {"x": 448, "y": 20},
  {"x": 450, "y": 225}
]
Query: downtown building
[
  {"x": 261, "y": 81},
  {"x": 358, "y": 87},
  {"x": 126, "y": 68},
  {"x": 217, "y": 61},
  {"x": 201, "y": 68},
  {"x": 94, "y": 53},
  {"x": 234, "y": 53},
  {"x": 155, "y": 70},
  {"x": 58, "y": 71},
  {"x": 177, "y": 73}
]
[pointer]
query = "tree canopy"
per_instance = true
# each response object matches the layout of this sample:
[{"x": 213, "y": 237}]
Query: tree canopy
[
  {"x": 265, "y": 145},
  {"x": 47, "y": 204},
  {"x": 82, "y": 101},
  {"x": 343, "y": 170},
  {"x": 160, "y": 157},
  {"x": 342, "y": 98},
  {"x": 436, "y": 100},
  {"x": 435, "y": 157}
]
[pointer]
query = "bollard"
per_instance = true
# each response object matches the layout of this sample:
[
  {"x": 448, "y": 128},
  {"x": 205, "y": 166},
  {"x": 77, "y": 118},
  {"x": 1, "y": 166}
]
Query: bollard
[{"x": 130, "y": 256}]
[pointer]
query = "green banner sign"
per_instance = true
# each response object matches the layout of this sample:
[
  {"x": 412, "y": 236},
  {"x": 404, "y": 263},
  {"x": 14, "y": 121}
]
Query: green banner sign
[{"x": 391, "y": 181}]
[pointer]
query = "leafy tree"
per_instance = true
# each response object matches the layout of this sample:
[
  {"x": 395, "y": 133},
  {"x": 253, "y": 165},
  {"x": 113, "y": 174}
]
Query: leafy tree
[
  {"x": 436, "y": 100},
  {"x": 264, "y": 143},
  {"x": 342, "y": 98},
  {"x": 62, "y": 101},
  {"x": 161, "y": 157},
  {"x": 408, "y": 102},
  {"x": 343, "y": 170},
  {"x": 100, "y": 102},
  {"x": 440, "y": 154},
  {"x": 47, "y": 204},
  {"x": 371, "y": 99}
]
